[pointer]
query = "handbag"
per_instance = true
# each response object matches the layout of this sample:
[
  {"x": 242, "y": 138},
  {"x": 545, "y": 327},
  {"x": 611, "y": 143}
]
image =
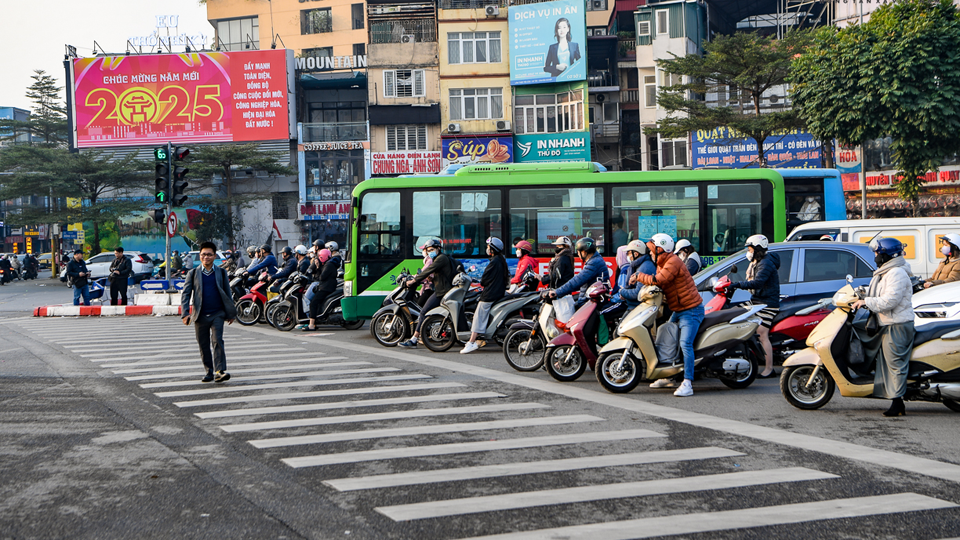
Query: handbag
[{"x": 873, "y": 324}]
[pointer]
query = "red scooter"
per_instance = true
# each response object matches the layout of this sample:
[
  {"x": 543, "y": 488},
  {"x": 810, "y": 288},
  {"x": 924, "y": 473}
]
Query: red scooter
[
  {"x": 568, "y": 354},
  {"x": 251, "y": 306}
]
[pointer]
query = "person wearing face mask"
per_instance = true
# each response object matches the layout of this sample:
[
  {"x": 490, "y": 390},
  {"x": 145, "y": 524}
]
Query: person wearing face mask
[
  {"x": 763, "y": 281},
  {"x": 331, "y": 262},
  {"x": 810, "y": 210},
  {"x": 560, "y": 270},
  {"x": 441, "y": 271},
  {"x": 526, "y": 262},
  {"x": 494, "y": 283},
  {"x": 949, "y": 268},
  {"x": 594, "y": 269},
  {"x": 681, "y": 296},
  {"x": 689, "y": 256}
]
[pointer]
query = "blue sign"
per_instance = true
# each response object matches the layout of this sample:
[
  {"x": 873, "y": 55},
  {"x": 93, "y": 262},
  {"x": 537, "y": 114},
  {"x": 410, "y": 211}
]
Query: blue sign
[
  {"x": 71, "y": 235},
  {"x": 154, "y": 285},
  {"x": 548, "y": 42},
  {"x": 541, "y": 147},
  {"x": 471, "y": 150},
  {"x": 725, "y": 147}
]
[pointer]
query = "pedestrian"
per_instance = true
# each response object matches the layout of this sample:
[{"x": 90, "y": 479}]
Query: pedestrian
[
  {"x": 890, "y": 299},
  {"x": 79, "y": 276},
  {"x": 120, "y": 271},
  {"x": 206, "y": 302}
]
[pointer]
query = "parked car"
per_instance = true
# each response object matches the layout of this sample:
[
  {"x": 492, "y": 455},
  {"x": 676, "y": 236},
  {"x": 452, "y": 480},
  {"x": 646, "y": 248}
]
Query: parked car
[
  {"x": 99, "y": 265},
  {"x": 809, "y": 271},
  {"x": 44, "y": 260}
]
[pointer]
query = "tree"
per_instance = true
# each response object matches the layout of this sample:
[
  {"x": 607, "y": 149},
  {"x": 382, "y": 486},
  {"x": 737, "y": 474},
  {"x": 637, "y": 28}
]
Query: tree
[
  {"x": 748, "y": 62},
  {"x": 897, "y": 75},
  {"x": 223, "y": 161},
  {"x": 48, "y": 118}
]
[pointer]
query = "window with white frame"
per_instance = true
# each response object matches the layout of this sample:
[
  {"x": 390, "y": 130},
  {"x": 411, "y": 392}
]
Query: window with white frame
[
  {"x": 650, "y": 91},
  {"x": 548, "y": 113},
  {"x": 476, "y": 103},
  {"x": 473, "y": 47},
  {"x": 663, "y": 22},
  {"x": 399, "y": 83},
  {"x": 674, "y": 153},
  {"x": 413, "y": 137},
  {"x": 643, "y": 28},
  {"x": 669, "y": 79}
]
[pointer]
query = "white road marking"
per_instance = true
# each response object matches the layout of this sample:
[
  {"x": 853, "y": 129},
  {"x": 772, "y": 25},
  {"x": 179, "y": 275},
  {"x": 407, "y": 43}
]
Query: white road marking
[
  {"x": 527, "y": 467},
  {"x": 646, "y": 488},
  {"x": 320, "y": 373},
  {"x": 148, "y": 362},
  {"x": 278, "y": 442},
  {"x": 293, "y": 368},
  {"x": 144, "y": 346},
  {"x": 374, "y": 417},
  {"x": 319, "y": 393},
  {"x": 251, "y": 349},
  {"x": 735, "y": 519},
  {"x": 251, "y": 387},
  {"x": 469, "y": 447}
]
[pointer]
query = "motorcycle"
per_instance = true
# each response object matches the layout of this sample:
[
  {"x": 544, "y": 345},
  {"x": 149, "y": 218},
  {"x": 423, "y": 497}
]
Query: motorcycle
[
  {"x": 567, "y": 355},
  {"x": 4, "y": 276},
  {"x": 293, "y": 310},
  {"x": 724, "y": 347},
  {"x": 525, "y": 345},
  {"x": 251, "y": 308},
  {"x": 811, "y": 376},
  {"x": 237, "y": 288},
  {"x": 395, "y": 321}
]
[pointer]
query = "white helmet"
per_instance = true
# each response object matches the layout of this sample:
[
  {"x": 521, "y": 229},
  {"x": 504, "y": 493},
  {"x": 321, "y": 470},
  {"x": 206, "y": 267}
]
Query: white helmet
[
  {"x": 757, "y": 240},
  {"x": 638, "y": 247},
  {"x": 681, "y": 244},
  {"x": 664, "y": 241},
  {"x": 332, "y": 246},
  {"x": 953, "y": 238},
  {"x": 300, "y": 250},
  {"x": 563, "y": 241}
]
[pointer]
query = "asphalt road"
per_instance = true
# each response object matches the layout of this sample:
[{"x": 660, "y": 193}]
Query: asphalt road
[{"x": 108, "y": 433}]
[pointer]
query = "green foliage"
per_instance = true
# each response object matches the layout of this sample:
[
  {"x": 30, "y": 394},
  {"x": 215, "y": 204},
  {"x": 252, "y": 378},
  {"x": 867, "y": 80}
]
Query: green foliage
[
  {"x": 48, "y": 118},
  {"x": 897, "y": 75},
  {"x": 747, "y": 61}
]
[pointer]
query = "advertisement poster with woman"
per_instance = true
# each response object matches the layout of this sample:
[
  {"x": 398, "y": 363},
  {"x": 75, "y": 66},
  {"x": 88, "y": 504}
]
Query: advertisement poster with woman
[{"x": 548, "y": 42}]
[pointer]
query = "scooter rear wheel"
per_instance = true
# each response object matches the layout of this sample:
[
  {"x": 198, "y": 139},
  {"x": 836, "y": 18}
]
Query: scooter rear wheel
[
  {"x": 616, "y": 377},
  {"x": 793, "y": 386},
  {"x": 743, "y": 380},
  {"x": 388, "y": 329},
  {"x": 522, "y": 353},
  {"x": 952, "y": 404},
  {"x": 248, "y": 312},
  {"x": 564, "y": 365},
  {"x": 437, "y": 333}
]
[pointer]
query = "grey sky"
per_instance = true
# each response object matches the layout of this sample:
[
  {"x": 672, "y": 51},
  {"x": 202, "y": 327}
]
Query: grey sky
[{"x": 33, "y": 34}]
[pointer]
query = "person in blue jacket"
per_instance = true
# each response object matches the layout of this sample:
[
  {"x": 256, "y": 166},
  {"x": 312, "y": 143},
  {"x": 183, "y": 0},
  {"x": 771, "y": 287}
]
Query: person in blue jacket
[
  {"x": 564, "y": 53},
  {"x": 641, "y": 262},
  {"x": 282, "y": 273},
  {"x": 594, "y": 269},
  {"x": 763, "y": 281},
  {"x": 267, "y": 262}
]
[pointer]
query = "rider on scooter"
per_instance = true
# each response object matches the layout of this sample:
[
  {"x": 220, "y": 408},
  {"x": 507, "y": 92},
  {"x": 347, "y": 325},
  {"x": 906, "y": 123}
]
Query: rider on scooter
[
  {"x": 594, "y": 269},
  {"x": 639, "y": 262},
  {"x": 267, "y": 262},
  {"x": 303, "y": 262},
  {"x": 494, "y": 283},
  {"x": 526, "y": 262},
  {"x": 680, "y": 293},
  {"x": 441, "y": 271},
  {"x": 331, "y": 261},
  {"x": 289, "y": 267},
  {"x": 560, "y": 270},
  {"x": 689, "y": 256},
  {"x": 763, "y": 281}
]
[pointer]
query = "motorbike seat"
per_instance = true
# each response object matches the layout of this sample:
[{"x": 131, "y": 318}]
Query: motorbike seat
[
  {"x": 934, "y": 330},
  {"x": 718, "y": 317}
]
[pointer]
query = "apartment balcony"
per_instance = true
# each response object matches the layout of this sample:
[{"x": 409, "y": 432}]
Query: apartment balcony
[
  {"x": 602, "y": 80},
  {"x": 627, "y": 47},
  {"x": 474, "y": 4},
  {"x": 605, "y": 131},
  {"x": 406, "y": 31},
  {"x": 334, "y": 132},
  {"x": 630, "y": 96}
]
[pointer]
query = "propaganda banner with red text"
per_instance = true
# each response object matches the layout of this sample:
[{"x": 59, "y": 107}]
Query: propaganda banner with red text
[{"x": 185, "y": 98}]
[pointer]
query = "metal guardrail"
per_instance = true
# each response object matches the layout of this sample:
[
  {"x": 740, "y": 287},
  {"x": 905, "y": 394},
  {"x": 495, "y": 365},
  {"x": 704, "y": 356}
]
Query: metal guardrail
[
  {"x": 630, "y": 96},
  {"x": 347, "y": 131},
  {"x": 605, "y": 130},
  {"x": 423, "y": 31},
  {"x": 473, "y": 4}
]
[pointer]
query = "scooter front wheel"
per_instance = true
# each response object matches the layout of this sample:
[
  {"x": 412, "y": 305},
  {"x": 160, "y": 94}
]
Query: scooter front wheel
[
  {"x": 437, "y": 333},
  {"x": 389, "y": 329},
  {"x": 803, "y": 392},
  {"x": 523, "y": 353},
  {"x": 616, "y": 376},
  {"x": 565, "y": 363},
  {"x": 284, "y": 317},
  {"x": 248, "y": 312}
]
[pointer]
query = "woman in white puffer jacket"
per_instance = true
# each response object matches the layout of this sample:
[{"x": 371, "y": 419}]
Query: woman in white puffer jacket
[{"x": 890, "y": 297}]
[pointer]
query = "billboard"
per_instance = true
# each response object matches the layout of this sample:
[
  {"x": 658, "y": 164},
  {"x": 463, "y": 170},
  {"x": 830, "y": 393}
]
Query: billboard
[
  {"x": 548, "y": 42},
  {"x": 794, "y": 149},
  {"x": 542, "y": 147},
  {"x": 142, "y": 100},
  {"x": 472, "y": 150}
]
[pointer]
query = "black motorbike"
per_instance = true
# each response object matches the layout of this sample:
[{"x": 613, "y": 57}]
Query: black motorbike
[
  {"x": 294, "y": 308},
  {"x": 395, "y": 321}
]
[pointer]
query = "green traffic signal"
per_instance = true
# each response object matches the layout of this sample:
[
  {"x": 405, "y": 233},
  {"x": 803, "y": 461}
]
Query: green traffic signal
[{"x": 160, "y": 153}]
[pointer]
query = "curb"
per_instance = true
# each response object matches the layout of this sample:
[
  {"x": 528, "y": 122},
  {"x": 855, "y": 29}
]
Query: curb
[{"x": 104, "y": 311}]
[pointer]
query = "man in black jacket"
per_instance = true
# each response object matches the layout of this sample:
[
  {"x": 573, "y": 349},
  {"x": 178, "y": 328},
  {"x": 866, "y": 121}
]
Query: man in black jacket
[
  {"x": 289, "y": 266},
  {"x": 7, "y": 270},
  {"x": 77, "y": 271},
  {"x": 327, "y": 283},
  {"x": 120, "y": 271},
  {"x": 442, "y": 270},
  {"x": 560, "y": 270},
  {"x": 495, "y": 279}
]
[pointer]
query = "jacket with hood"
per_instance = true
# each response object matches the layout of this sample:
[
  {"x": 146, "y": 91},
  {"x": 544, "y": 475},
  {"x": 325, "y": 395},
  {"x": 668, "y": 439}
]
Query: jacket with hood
[
  {"x": 765, "y": 285},
  {"x": 890, "y": 293},
  {"x": 693, "y": 263},
  {"x": 594, "y": 269},
  {"x": 525, "y": 263},
  {"x": 630, "y": 294},
  {"x": 494, "y": 279},
  {"x": 328, "y": 274},
  {"x": 947, "y": 271},
  {"x": 560, "y": 270},
  {"x": 672, "y": 277}
]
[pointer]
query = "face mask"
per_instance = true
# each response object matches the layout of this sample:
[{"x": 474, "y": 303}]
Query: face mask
[
  {"x": 559, "y": 249},
  {"x": 879, "y": 260},
  {"x": 945, "y": 250},
  {"x": 519, "y": 253},
  {"x": 749, "y": 255},
  {"x": 631, "y": 257},
  {"x": 432, "y": 254}
]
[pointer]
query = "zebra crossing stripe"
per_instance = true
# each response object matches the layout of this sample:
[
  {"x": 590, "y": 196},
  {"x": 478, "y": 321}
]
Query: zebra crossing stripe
[
  {"x": 469, "y": 447},
  {"x": 646, "y": 488},
  {"x": 373, "y": 417},
  {"x": 319, "y": 393},
  {"x": 280, "y": 364},
  {"x": 321, "y": 373},
  {"x": 735, "y": 519},
  {"x": 527, "y": 467},
  {"x": 423, "y": 430},
  {"x": 254, "y": 348},
  {"x": 150, "y": 362},
  {"x": 292, "y": 369},
  {"x": 259, "y": 411},
  {"x": 271, "y": 386},
  {"x": 147, "y": 346}
]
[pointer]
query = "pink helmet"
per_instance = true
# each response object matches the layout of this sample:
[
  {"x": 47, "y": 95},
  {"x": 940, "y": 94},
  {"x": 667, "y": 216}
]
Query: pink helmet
[
  {"x": 324, "y": 255},
  {"x": 524, "y": 245}
]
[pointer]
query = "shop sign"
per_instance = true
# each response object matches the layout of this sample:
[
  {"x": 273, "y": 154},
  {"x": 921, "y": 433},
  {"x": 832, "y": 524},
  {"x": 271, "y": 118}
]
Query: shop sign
[
  {"x": 724, "y": 146},
  {"x": 552, "y": 147},
  {"x": 325, "y": 210},
  {"x": 406, "y": 162},
  {"x": 323, "y": 146},
  {"x": 887, "y": 179},
  {"x": 471, "y": 150},
  {"x": 325, "y": 63},
  {"x": 535, "y": 55}
]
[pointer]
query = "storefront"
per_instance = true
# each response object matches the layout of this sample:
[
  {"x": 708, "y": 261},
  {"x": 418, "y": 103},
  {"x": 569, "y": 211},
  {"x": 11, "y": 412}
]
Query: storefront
[{"x": 329, "y": 171}]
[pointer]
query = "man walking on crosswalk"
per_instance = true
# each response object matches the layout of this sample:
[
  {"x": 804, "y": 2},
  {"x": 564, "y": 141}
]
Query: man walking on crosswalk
[{"x": 206, "y": 291}]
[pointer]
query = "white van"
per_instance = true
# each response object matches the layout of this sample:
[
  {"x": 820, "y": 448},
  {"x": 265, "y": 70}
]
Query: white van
[{"x": 920, "y": 236}]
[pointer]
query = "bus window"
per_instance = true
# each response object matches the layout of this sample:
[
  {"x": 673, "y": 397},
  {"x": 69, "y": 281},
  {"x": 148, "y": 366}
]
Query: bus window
[
  {"x": 648, "y": 210},
  {"x": 462, "y": 220},
  {"x": 542, "y": 215},
  {"x": 379, "y": 228},
  {"x": 733, "y": 215}
]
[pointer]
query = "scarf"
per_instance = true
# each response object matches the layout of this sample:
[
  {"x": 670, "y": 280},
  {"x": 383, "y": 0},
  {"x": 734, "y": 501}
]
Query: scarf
[{"x": 896, "y": 262}]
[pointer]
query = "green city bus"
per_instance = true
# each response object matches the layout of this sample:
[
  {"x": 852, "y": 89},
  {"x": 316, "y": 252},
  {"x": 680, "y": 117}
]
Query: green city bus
[{"x": 391, "y": 217}]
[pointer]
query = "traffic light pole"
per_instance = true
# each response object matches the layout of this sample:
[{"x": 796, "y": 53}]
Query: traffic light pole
[{"x": 168, "y": 271}]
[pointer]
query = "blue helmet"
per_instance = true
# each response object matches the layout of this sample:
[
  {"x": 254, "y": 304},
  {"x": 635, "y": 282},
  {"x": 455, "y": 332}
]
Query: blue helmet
[{"x": 891, "y": 247}]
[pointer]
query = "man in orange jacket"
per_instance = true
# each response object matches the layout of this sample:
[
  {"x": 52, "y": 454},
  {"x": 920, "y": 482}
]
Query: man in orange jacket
[{"x": 680, "y": 293}]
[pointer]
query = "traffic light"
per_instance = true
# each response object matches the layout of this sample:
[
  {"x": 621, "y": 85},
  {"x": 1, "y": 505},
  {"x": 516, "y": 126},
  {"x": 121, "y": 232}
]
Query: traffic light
[
  {"x": 157, "y": 215},
  {"x": 162, "y": 193},
  {"x": 179, "y": 177},
  {"x": 160, "y": 153}
]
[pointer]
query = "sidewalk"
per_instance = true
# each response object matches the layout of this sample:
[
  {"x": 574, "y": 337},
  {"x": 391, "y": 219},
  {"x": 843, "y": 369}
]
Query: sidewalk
[{"x": 144, "y": 304}]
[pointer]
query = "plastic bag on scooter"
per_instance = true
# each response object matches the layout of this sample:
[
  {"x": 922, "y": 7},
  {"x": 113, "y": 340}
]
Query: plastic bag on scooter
[
  {"x": 563, "y": 308},
  {"x": 311, "y": 292},
  {"x": 668, "y": 343}
]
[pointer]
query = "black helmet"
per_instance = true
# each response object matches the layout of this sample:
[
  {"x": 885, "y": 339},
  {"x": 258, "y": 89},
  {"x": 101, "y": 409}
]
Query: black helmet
[
  {"x": 266, "y": 248},
  {"x": 431, "y": 243},
  {"x": 287, "y": 251},
  {"x": 586, "y": 244},
  {"x": 318, "y": 243}
]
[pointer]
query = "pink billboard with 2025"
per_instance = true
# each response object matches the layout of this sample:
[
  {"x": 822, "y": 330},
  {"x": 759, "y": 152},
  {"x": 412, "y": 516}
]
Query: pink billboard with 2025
[{"x": 185, "y": 98}]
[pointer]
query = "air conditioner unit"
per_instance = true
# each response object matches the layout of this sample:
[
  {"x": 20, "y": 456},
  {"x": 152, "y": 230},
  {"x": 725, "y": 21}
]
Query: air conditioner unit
[
  {"x": 503, "y": 125},
  {"x": 453, "y": 128},
  {"x": 408, "y": 38},
  {"x": 598, "y": 4},
  {"x": 492, "y": 11}
]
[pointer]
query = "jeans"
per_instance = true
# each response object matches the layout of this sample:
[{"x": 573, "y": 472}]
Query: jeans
[
  {"x": 81, "y": 291},
  {"x": 688, "y": 321},
  {"x": 211, "y": 326}
]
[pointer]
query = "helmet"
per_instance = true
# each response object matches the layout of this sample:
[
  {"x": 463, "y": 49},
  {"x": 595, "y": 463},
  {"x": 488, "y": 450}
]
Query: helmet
[
  {"x": 597, "y": 290},
  {"x": 637, "y": 246},
  {"x": 286, "y": 251},
  {"x": 317, "y": 243},
  {"x": 324, "y": 255},
  {"x": 495, "y": 243},
  {"x": 300, "y": 250},
  {"x": 266, "y": 248},
  {"x": 952, "y": 238},
  {"x": 681, "y": 244},
  {"x": 524, "y": 245},
  {"x": 586, "y": 244},
  {"x": 251, "y": 250},
  {"x": 431, "y": 243},
  {"x": 826, "y": 238},
  {"x": 332, "y": 246},
  {"x": 663, "y": 240},
  {"x": 890, "y": 247},
  {"x": 757, "y": 240},
  {"x": 563, "y": 241}
]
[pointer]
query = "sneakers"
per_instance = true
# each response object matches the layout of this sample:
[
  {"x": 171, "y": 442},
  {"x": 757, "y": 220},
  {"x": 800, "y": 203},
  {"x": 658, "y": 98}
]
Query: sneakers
[
  {"x": 685, "y": 390},
  {"x": 222, "y": 376},
  {"x": 664, "y": 383},
  {"x": 469, "y": 348},
  {"x": 409, "y": 344},
  {"x": 207, "y": 378}
]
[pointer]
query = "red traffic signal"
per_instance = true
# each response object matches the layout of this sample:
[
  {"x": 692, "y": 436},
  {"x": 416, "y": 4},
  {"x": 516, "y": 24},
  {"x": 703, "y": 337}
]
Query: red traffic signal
[{"x": 181, "y": 153}]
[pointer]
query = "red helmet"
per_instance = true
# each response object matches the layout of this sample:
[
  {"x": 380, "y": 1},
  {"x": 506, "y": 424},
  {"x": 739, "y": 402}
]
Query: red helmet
[{"x": 524, "y": 245}]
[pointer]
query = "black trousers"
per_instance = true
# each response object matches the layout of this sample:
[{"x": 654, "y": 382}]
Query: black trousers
[
  {"x": 317, "y": 302},
  {"x": 118, "y": 288},
  {"x": 432, "y": 302},
  {"x": 209, "y": 329}
]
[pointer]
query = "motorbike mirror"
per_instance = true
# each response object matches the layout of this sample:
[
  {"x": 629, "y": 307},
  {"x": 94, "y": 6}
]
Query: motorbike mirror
[
  {"x": 733, "y": 269},
  {"x": 849, "y": 278}
]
